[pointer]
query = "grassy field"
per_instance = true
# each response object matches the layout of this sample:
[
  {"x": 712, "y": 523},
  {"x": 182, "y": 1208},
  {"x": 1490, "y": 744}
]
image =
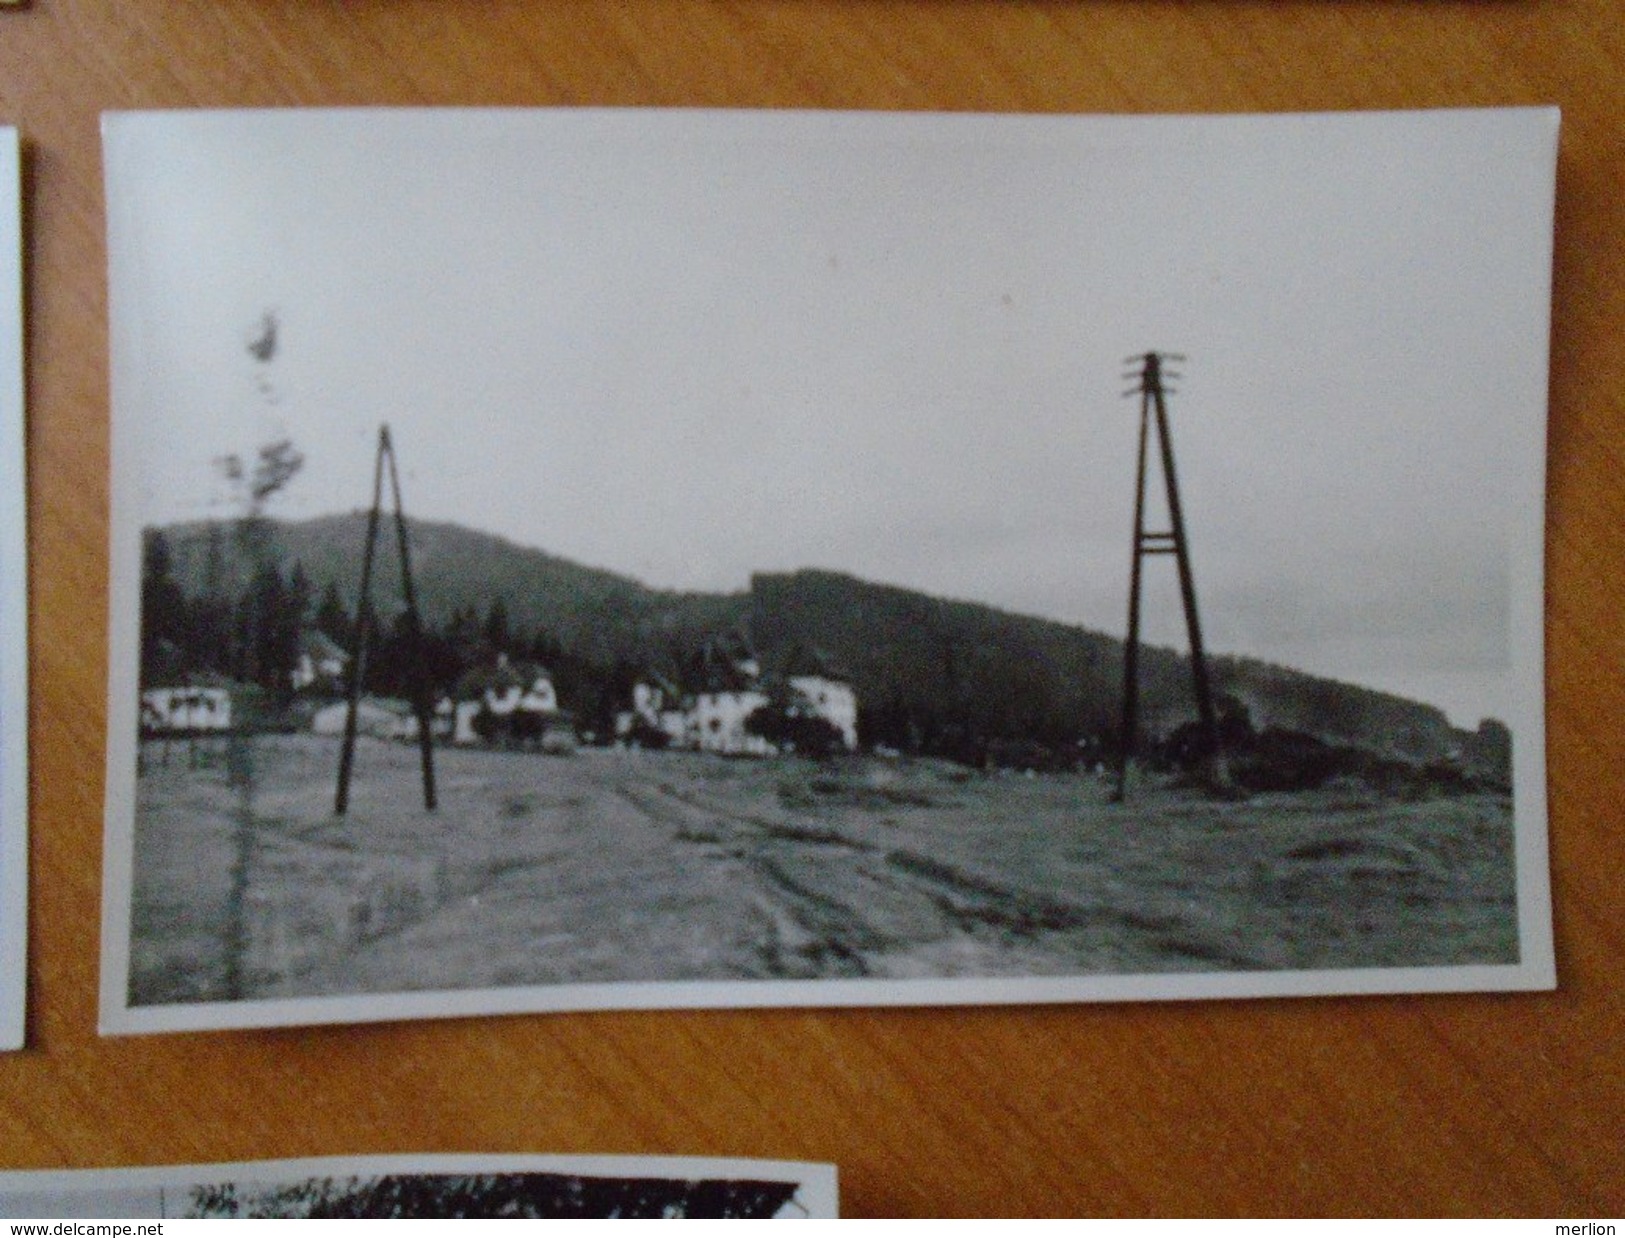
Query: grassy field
[{"x": 625, "y": 866}]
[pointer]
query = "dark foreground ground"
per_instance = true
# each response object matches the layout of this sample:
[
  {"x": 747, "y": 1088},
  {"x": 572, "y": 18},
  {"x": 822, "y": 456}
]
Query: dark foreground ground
[{"x": 624, "y": 866}]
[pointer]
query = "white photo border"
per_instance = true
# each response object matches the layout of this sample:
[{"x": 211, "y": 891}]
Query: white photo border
[
  {"x": 1536, "y": 969},
  {"x": 13, "y": 609}
]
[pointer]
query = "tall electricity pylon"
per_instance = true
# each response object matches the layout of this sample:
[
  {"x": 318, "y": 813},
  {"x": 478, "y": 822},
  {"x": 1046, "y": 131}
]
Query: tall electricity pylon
[
  {"x": 1150, "y": 377},
  {"x": 414, "y": 632}
]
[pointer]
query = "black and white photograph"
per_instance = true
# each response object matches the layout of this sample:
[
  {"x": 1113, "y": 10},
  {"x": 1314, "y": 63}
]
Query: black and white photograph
[
  {"x": 436, "y": 1187},
  {"x": 13, "y": 610},
  {"x": 602, "y": 559}
]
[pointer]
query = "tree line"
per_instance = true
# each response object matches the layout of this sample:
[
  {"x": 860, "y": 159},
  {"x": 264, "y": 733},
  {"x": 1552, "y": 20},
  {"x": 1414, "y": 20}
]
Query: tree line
[
  {"x": 251, "y": 636},
  {"x": 254, "y": 635}
]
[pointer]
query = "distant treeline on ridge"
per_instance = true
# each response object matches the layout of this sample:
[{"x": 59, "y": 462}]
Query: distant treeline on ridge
[{"x": 933, "y": 676}]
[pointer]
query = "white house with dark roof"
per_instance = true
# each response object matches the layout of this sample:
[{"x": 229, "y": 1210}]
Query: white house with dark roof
[
  {"x": 824, "y": 690},
  {"x": 186, "y": 709},
  {"x": 717, "y": 722},
  {"x": 713, "y": 717},
  {"x": 321, "y": 663},
  {"x": 729, "y": 693},
  {"x": 516, "y": 699},
  {"x": 834, "y": 701},
  {"x": 657, "y": 707}
]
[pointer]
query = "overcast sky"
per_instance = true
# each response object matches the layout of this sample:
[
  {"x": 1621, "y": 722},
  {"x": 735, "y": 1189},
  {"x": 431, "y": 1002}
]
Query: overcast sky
[{"x": 687, "y": 346}]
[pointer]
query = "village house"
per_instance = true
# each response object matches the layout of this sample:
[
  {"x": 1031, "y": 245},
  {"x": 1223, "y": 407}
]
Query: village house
[
  {"x": 511, "y": 701},
  {"x": 717, "y": 721},
  {"x": 658, "y": 716},
  {"x": 321, "y": 665},
  {"x": 824, "y": 692},
  {"x": 727, "y": 694},
  {"x": 185, "y": 710},
  {"x": 834, "y": 701},
  {"x": 715, "y": 717}
]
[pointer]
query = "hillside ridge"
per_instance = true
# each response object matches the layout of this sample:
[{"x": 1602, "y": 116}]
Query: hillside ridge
[{"x": 914, "y": 658}]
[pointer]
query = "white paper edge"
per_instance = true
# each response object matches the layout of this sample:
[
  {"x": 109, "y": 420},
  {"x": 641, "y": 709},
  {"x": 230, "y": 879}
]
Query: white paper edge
[
  {"x": 13, "y": 611},
  {"x": 123, "y": 663},
  {"x": 1535, "y": 971},
  {"x": 1527, "y": 633},
  {"x": 817, "y": 1180}
]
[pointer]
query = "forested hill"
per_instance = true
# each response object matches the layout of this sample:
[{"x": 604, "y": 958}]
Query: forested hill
[
  {"x": 1010, "y": 674},
  {"x": 597, "y": 615},
  {"x": 925, "y": 669}
]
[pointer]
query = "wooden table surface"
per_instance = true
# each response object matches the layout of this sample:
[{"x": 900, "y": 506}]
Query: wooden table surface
[{"x": 1492, "y": 1104}]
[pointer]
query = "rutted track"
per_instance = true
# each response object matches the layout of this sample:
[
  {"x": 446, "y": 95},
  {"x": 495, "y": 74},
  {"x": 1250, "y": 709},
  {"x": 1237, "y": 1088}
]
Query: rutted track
[
  {"x": 635, "y": 867},
  {"x": 834, "y": 905}
]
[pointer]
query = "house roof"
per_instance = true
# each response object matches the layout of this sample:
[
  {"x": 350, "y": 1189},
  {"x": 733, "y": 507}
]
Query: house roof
[
  {"x": 501, "y": 676},
  {"x": 662, "y": 684},
  {"x": 726, "y": 677},
  {"x": 318, "y": 646}
]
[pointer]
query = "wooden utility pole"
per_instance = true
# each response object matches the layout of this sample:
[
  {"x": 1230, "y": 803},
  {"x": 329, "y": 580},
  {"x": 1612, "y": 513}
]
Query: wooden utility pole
[
  {"x": 1151, "y": 377},
  {"x": 421, "y": 705}
]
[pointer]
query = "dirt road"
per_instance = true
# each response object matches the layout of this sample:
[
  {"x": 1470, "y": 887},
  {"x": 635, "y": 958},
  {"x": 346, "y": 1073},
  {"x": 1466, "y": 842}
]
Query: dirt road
[{"x": 618, "y": 866}]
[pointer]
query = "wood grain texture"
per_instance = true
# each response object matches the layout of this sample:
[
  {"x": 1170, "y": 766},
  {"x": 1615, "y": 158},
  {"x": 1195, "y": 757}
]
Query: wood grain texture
[{"x": 1428, "y": 1105}]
